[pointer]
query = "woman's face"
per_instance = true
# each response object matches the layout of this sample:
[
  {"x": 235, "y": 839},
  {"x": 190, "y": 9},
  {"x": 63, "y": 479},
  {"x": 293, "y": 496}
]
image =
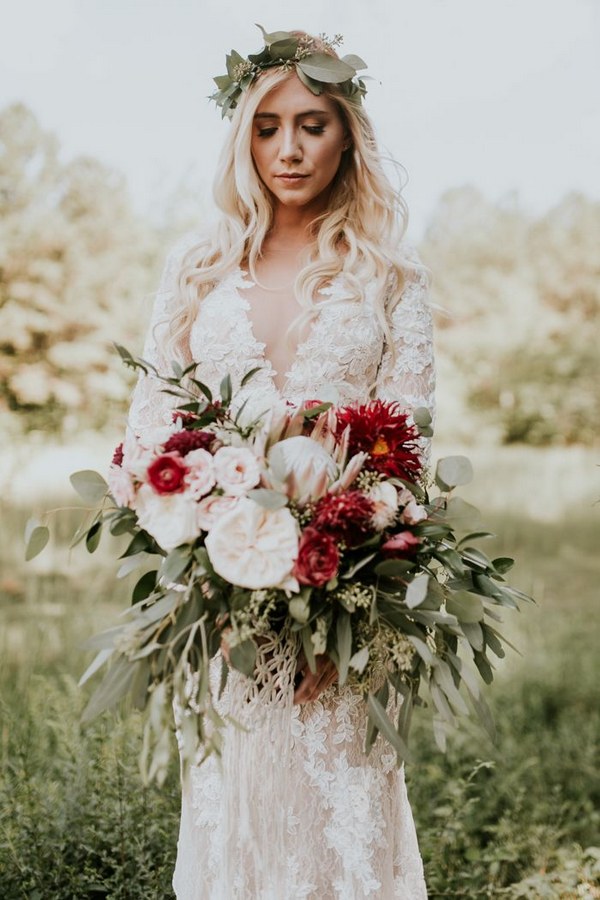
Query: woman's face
[{"x": 297, "y": 144}]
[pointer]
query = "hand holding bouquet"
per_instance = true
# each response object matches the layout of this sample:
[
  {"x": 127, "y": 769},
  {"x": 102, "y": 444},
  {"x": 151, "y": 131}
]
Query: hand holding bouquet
[{"x": 316, "y": 521}]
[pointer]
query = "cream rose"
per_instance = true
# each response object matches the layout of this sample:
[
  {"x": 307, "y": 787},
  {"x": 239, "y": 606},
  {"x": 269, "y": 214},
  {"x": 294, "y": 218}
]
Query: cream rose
[
  {"x": 255, "y": 547},
  {"x": 211, "y": 509},
  {"x": 236, "y": 469},
  {"x": 171, "y": 519},
  {"x": 201, "y": 475},
  {"x": 413, "y": 513},
  {"x": 385, "y": 499}
]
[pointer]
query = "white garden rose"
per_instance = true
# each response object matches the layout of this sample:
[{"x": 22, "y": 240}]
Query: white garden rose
[
  {"x": 211, "y": 509},
  {"x": 237, "y": 470},
  {"x": 201, "y": 474},
  {"x": 171, "y": 519},
  {"x": 254, "y": 547},
  {"x": 385, "y": 499},
  {"x": 413, "y": 513}
]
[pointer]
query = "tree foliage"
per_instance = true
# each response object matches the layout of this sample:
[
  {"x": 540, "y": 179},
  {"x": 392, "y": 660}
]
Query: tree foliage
[
  {"x": 520, "y": 300},
  {"x": 75, "y": 264}
]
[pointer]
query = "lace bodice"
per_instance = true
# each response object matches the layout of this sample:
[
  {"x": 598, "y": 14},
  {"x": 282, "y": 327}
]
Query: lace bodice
[
  {"x": 295, "y": 810},
  {"x": 344, "y": 357}
]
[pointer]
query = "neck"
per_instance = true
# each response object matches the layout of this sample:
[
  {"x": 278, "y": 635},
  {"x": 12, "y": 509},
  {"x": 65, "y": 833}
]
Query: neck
[{"x": 292, "y": 224}]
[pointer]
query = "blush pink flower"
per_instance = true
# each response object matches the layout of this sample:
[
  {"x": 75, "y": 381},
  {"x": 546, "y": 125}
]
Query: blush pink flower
[
  {"x": 237, "y": 470},
  {"x": 212, "y": 508},
  {"x": 404, "y": 543},
  {"x": 201, "y": 474}
]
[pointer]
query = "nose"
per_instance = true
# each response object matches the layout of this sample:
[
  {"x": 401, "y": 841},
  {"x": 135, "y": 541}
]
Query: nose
[{"x": 291, "y": 146}]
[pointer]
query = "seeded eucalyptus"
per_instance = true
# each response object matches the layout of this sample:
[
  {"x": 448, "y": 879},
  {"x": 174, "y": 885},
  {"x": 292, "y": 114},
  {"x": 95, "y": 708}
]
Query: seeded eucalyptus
[{"x": 314, "y": 67}]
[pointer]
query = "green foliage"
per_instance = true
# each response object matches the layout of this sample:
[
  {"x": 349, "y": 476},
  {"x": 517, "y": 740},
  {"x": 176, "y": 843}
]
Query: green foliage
[
  {"x": 75, "y": 264},
  {"x": 515, "y": 819},
  {"x": 517, "y": 345}
]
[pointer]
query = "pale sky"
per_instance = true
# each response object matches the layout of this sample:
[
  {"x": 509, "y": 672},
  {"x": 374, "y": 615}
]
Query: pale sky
[{"x": 501, "y": 94}]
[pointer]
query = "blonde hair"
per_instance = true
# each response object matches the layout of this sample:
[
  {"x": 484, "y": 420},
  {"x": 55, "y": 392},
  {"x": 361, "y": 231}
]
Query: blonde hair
[{"x": 359, "y": 235}]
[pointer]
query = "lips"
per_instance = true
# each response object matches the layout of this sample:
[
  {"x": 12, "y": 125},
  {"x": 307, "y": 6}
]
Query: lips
[{"x": 291, "y": 176}]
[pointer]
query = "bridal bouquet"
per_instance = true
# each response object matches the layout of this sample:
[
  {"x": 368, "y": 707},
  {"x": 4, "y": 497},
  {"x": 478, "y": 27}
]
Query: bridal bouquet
[{"x": 315, "y": 521}]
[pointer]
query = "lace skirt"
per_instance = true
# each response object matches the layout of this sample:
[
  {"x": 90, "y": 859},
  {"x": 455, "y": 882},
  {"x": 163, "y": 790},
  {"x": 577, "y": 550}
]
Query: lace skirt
[{"x": 294, "y": 809}]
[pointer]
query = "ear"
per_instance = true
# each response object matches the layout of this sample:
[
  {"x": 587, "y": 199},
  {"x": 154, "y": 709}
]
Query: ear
[{"x": 347, "y": 142}]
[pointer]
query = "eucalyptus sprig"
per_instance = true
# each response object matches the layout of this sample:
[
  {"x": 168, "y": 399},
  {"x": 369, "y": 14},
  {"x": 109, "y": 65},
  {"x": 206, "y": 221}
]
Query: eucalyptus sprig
[{"x": 314, "y": 67}]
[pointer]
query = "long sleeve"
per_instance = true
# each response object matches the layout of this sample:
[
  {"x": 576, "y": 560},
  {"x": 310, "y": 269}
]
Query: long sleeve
[
  {"x": 150, "y": 406},
  {"x": 408, "y": 375}
]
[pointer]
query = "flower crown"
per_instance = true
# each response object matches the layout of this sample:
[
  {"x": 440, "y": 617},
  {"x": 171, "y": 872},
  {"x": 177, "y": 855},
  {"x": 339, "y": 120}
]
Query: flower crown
[{"x": 314, "y": 67}]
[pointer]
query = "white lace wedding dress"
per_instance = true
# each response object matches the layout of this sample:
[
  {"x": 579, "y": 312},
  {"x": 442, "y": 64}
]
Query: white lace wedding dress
[{"x": 295, "y": 810}]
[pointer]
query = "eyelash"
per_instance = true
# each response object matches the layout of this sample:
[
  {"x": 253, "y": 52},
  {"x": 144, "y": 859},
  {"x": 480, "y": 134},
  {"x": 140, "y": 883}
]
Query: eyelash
[{"x": 312, "y": 129}]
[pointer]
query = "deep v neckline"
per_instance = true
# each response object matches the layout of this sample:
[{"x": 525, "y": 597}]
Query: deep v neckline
[{"x": 243, "y": 281}]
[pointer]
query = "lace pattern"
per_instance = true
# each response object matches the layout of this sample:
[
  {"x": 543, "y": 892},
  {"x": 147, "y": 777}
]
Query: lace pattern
[{"x": 295, "y": 810}]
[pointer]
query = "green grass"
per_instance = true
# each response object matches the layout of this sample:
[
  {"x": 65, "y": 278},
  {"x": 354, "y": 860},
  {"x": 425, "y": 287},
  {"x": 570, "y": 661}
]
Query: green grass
[{"x": 516, "y": 819}]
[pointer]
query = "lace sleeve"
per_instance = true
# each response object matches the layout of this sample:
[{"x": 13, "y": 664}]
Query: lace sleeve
[
  {"x": 409, "y": 375},
  {"x": 150, "y": 406}
]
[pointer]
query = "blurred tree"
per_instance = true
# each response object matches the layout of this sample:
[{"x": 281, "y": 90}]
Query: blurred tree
[
  {"x": 75, "y": 266},
  {"x": 518, "y": 303}
]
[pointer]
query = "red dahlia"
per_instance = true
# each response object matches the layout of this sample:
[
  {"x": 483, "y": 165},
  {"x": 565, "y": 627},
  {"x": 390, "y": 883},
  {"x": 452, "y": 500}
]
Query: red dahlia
[
  {"x": 166, "y": 474},
  {"x": 380, "y": 429},
  {"x": 183, "y": 442},
  {"x": 346, "y": 516}
]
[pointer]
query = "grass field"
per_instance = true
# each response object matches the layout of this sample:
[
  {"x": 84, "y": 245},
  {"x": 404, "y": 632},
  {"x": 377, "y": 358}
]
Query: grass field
[{"x": 518, "y": 819}]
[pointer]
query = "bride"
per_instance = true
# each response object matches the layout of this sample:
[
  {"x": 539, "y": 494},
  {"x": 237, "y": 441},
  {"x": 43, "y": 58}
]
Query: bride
[{"x": 307, "y": 277}]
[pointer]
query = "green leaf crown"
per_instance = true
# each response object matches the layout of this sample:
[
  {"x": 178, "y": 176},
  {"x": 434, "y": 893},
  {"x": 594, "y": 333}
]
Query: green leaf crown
[{"x": 315, "y": 67}]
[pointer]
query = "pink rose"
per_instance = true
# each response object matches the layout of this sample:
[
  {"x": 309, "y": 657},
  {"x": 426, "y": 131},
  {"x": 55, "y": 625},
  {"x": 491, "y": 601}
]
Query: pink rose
[
  {"x": 201, "y": 475},
  {"x": 404, "y": 543},
  {"x": 212, "y": 508},
  {"x": 318, "y": 558},
  {"x": 167, "y": 474},
  {"x": 236, "y": 469}
]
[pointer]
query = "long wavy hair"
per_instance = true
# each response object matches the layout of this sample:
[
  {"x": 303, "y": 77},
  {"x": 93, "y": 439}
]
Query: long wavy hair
[{"x": 359, "y": 235}]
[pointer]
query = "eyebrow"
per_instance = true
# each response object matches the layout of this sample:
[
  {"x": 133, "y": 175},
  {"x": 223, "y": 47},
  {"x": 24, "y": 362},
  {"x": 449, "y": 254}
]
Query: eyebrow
[{"x": 302, "y": 115}]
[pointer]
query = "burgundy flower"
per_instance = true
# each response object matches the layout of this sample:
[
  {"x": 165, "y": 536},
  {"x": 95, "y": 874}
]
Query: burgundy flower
[
  {"x": 405, "y": 543},
  {"x": 318, "y": 558},
  {"x": 117, "y": 459},
  {"x": 183, "y": 442},
  {"x": 166, "y": 474},
  {"x": 346, "y": 516},
  {"x": 380, "y": 429}
]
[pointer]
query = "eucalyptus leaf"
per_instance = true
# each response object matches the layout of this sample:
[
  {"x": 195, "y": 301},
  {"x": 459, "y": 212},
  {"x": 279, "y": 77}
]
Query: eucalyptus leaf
[
  {"x": 474, "y": 634},
  {"x": 351, "y": 59},
  {"x": 416, "y": 591},
  {"x": 243, "y": 657},
  {"x": 462, "y": 516},
  {"x": 379, "y": 716},
  {"x": 101, "y": 657},
  {"x": 90, "y": 485},
  {"x": 452, "y": 471},
  {"x": 175, "y": 564},
  {"x": 325, "y": 68},
  {"x": 93, "y": 537},
  {"x": 113, "y": 688},
  {"x": 36, "y": 537},
  {"x": 344, "y": 644},
  {"x": 467, "y": 607}
]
